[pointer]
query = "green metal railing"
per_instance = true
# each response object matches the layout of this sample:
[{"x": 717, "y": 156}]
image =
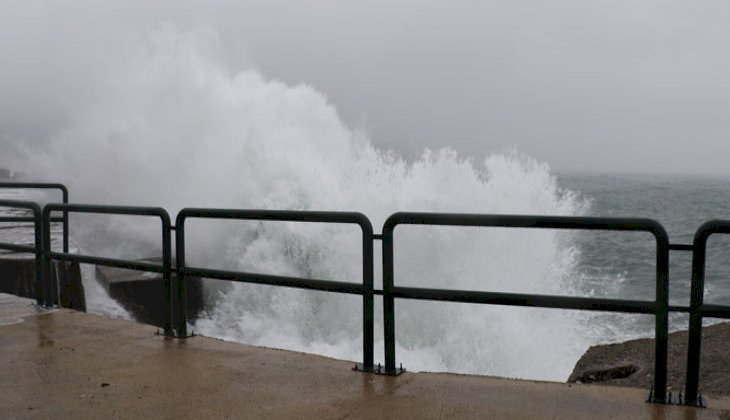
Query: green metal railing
[
  {"x": 365, "y": 288},
  {"x": 175, "y": 323},
  {"x": 698, "y": 309},
  {"x": 36, "y": 249},
  {"x": 165, "y": 267},
  {"x": 40, "y": 186},
  {"x": 659, "y": 307}
]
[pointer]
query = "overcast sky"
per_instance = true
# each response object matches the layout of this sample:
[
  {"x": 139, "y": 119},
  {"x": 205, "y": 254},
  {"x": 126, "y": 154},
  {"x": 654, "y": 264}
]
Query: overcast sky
[{"x": 617, "y": 86}]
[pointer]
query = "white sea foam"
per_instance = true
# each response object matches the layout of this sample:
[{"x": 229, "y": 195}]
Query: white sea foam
[
  {"x": 172, "y": 126},
  {"x": 98, "y": 300}
]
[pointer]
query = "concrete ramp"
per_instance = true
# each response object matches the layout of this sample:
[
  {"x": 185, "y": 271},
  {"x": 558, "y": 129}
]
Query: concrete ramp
[{"x": 73, "y": 365}]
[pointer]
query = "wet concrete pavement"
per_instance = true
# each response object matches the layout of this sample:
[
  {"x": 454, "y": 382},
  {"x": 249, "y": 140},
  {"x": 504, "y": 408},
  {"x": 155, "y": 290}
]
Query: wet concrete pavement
[{"x": 64, "y": 364}]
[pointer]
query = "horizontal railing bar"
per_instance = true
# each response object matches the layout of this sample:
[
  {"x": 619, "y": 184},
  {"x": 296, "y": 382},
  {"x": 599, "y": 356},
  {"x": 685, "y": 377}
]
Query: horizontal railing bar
[
  {"x": 681, "y": 247},
  {"x": 715, "y": 311},
  {"x": 17, "y": 248},
  {"x": 30, "y": 205},
  {"x": 17, "y": 219},
  {"x": 277, "y": 215},
  {"x": 35, "y": 185},
  {"x": 271, "y": 280},
  {"x": 678, "y": 308},
  {"x": 104, "y": 209},
  {"x": 26, "y": 219},
  {"x": 526, "y": 221},
  {"x": 109, "y": 262},
  {"x": 519, "y": 299}
]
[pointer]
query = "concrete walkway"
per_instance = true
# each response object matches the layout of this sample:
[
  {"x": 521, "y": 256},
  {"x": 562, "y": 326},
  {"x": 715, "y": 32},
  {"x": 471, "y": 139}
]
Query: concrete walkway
[{"x": 70, "y": 365}]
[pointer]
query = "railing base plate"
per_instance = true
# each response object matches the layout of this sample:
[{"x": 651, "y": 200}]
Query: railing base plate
[
  {"x": 173, "y": 334},
  {"x": 379, "y": 369},
  {"x": 681, "y": 400},
  {"x": 382, "y": 370}
]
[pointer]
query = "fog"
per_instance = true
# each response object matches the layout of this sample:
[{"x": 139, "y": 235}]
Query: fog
[{"x": 600, "y": 86}]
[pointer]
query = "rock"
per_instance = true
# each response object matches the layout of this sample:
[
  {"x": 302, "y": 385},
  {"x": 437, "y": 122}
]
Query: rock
[
  {"x": 632, "y": 363},
  {"x": 605, "y": 374}
]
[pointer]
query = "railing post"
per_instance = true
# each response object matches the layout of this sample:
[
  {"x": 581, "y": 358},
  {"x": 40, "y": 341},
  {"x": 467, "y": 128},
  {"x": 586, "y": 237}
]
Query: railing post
[
  {"x": 691, "y": 389},
  {"x": 661, "y": 316},
  {"x": 166, "y": 274},
  {"x": 388, "y": 299},
  {"x": 368, "y": 310},
  {"x": 47, "y": 273},
  {"x": 181, "y": 292},
  {"x": 39, "y": 260},
  {"x": 64, "y": 191}
]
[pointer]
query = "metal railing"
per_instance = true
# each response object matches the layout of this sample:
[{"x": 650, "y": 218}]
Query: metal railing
[
  {"x": 38, "y": 235},
  {"x": 698, "y": 309},
  {"x": 40, "y": 186},
  {"x": 365, "y": 289},
  {"x": 175, "y": 323},
  {"x": 165, "y": 267},
  {"x": 659, "y": 307}
]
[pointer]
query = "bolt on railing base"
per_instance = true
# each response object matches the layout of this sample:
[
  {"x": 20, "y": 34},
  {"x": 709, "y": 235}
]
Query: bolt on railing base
[
  {"x": 186, "y": 334},
  {"x": 382, "y": 370},
  {"x": 378, "y": 370},
  {"x": 681, "y": 400},
  {"x": 652, "y": 399},
  {"x": 360, "y": 367},
  {"x": 700, "y": 403},
  {"x": 174, "y": 334}
]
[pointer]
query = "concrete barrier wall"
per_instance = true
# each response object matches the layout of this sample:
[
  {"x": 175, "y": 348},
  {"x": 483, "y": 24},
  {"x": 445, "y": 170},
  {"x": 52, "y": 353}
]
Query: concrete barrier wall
[{"x": 17, "y": 277}]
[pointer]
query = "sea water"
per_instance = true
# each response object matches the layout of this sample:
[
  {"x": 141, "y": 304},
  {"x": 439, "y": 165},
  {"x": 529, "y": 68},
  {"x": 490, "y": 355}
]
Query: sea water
[{"x": 681, "y": 204}]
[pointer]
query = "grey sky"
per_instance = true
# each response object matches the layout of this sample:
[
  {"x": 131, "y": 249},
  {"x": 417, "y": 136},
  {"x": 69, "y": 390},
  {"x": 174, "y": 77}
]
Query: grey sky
[{"x": 620, "y": 86}]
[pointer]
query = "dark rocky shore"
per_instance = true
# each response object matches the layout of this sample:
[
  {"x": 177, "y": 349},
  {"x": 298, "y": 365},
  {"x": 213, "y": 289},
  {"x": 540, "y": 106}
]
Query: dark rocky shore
[{"x": 632, "y": 363}]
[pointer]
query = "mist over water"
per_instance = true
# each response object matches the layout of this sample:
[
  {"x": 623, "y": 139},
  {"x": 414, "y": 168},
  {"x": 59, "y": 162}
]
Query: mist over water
[{"x": 171, "y": 126}]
